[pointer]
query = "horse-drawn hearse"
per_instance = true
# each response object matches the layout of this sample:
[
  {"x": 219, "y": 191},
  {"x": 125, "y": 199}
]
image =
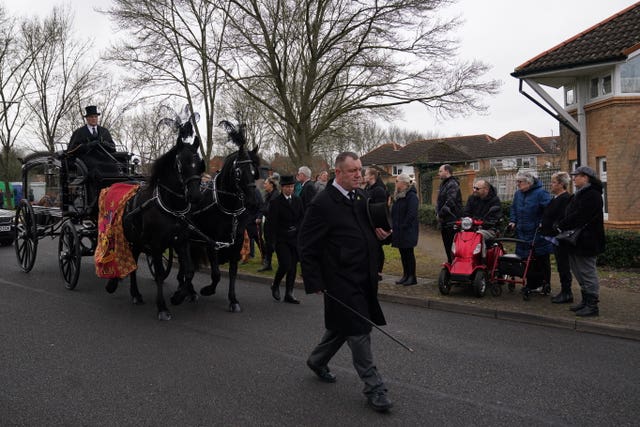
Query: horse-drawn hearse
[{"x": 164, "y": 212}]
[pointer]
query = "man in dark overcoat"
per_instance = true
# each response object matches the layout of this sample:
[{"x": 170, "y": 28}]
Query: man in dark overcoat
[
  {"x": 308, "y": 189},
  {"x": 285, "y": 216},
  {"x": 91, "y": 132},
  {"x": 339, "y": 255}
]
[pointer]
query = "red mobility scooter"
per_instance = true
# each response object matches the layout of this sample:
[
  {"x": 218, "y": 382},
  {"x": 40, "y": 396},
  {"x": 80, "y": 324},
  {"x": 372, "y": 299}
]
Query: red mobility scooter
[{"x": 470, "y": 266}]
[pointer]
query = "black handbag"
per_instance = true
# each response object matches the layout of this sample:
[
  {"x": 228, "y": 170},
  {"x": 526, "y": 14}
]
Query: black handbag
[{"x": 570, "y": 236}]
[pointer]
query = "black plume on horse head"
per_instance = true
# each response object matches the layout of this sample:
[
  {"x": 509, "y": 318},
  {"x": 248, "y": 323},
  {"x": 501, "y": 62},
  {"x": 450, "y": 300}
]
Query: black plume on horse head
[{"x": 236, "y": 134}]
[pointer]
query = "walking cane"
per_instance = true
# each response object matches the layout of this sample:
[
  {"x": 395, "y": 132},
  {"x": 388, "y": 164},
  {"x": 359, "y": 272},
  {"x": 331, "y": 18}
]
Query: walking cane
[{"x": 368, "y": 321}]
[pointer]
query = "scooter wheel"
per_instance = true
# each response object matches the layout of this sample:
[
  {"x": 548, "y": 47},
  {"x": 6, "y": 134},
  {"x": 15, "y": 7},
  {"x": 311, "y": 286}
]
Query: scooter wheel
[
  {"x": 526, "y": 295},
  {"x": 444, "y": 282}
]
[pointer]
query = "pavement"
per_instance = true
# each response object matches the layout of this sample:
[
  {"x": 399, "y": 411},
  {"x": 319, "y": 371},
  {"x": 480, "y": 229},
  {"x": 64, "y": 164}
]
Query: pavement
[{"x": 619, "y": 305}]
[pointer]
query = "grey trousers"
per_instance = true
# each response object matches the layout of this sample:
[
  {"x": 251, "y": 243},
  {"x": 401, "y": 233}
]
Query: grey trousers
[
  {"x": 362, "y": 357},
  {"x": 584, "y": 268}
]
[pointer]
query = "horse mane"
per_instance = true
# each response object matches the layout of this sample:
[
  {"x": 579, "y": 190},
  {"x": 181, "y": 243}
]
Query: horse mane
[{"x": 162, "y": 165}]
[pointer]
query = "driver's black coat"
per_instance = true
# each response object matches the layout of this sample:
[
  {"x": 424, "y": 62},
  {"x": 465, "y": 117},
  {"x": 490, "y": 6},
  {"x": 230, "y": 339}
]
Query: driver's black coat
[{"x": 82, "y": 135}]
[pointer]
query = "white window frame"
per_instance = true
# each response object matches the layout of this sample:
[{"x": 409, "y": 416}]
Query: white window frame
[
  {"x": 602, "y": 174},
  {"x": 636, "y": 61}
]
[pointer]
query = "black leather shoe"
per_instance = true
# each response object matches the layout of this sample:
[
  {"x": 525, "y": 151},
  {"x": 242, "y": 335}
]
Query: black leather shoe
[
  {"x": 291, "y": 299},
  {"x": 322, "y": 372},
  {"x": 401, "y": 281},
  {"x": 379, "y": 401},
  {"x": 411, "y": 280},
  {"x": 562, "y": 298},
  {"x": 275, "y": 292}
]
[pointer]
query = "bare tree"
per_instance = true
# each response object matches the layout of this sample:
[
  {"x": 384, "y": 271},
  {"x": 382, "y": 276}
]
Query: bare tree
[
  {"x": 15, "y": 63},
  {"x": 167, "y": 51},
  {"x": 60, "y": 73},
  {"x": 311, "y": 62}
]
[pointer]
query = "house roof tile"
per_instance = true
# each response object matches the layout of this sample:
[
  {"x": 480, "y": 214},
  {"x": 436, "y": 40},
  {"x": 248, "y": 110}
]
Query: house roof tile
[
  {"x": 460, "y": 149},
  {"x": 611, "y": 40}
]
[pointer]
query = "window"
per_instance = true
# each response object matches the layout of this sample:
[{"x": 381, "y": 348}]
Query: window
[
  {"x": 600, "y": 86},
  {"x": 630, "y": 76},
  {"x": 526, "y": 162},
  {"x": 602, "y": 172},
  {"x": 397, "y": 169},
  {"x": 569, "y": 95},
  {"x": 474, "y": 166}
]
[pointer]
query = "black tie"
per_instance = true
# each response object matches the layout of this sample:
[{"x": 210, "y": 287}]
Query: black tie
[
  {"x": 94, "y": 131},
  {"x": 351, "y": 195},
  {"x": 289, "y": 200}
]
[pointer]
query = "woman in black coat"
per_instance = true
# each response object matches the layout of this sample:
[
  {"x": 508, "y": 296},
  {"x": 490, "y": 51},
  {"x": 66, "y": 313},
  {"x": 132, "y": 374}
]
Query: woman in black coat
[
  {"x": 404, "y": 215},
  {"x": 377, "y": 193},
  {"x": 285, "y": 214},
  {"x": 271, "y": 193},
  {"x": 585, "y": 212},
  {"x": 551, "y": 216}
]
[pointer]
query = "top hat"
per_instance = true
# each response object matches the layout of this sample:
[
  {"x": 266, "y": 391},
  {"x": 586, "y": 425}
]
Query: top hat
[
  {"x": 379, "y": 215},
  {"x": 287, "y": 180},
  {"x": 91, "y": 110}
]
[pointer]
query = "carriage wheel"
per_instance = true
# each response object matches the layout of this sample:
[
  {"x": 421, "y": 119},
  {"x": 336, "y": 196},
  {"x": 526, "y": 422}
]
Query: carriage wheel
[
  {"x": 26, "y": 236},
  {"x": 167, "y": 263},
  {"x": 69, "y": 254}
]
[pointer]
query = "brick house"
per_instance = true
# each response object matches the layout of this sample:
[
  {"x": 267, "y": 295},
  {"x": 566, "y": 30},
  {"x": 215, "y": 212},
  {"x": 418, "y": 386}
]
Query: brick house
[
  {"x": 599, "y": 72},
  {"x": 471, "y": 156}
]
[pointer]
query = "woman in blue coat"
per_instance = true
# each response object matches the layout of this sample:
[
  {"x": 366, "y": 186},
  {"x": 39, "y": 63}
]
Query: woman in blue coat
[
  {"x": 527, "y": 209},
  {"x": 404, "y": 215}
]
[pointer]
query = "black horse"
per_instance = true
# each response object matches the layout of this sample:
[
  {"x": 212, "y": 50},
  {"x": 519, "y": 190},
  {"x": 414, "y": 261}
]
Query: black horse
[
  {"x": 221, "y": 217},
  {"x": 154, "y": 219}
]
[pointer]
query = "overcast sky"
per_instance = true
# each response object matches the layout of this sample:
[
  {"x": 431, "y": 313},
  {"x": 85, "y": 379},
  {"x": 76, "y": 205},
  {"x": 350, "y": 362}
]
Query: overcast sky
[{"x": 502, "y": 33}]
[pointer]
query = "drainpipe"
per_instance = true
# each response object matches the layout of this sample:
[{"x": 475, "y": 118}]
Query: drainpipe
[{"x": 560, "y": 115}]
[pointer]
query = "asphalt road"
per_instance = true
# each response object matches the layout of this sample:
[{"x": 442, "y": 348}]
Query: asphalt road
[{"x": 85, "y": 357}]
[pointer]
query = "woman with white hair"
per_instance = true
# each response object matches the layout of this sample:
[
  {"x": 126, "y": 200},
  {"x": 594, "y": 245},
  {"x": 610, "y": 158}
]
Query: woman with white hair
[
  {"x": 529, "y": 203},
  {"x": 404, "y": 215}
]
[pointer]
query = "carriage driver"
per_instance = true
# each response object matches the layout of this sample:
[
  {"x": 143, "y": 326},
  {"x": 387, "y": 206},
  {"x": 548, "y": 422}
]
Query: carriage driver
[{"x": 91, "y": 132}]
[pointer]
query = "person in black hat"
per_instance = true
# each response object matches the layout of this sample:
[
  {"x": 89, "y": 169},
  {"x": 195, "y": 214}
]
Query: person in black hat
[
  {"x": 285, "y": 216},
  {"x": 584, "y": 212},
  {"x": 91, "y": 132}
]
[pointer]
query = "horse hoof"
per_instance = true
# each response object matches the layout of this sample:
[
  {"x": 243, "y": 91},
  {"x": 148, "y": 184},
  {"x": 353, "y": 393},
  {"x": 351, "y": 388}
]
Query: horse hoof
[
  {"x": 193, "y": 298},
  {"x": 177, "y": 298},
  {"x": 208, "y": 291},
  {"x": 235, "y": 308},
  {"x": 164, "y": 315},
  {"x": 111, "y": 286},
  {"x": 137, "y": 301}
]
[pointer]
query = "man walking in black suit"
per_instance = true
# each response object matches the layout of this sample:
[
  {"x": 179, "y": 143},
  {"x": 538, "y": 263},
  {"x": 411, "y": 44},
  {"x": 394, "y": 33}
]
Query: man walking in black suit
[
  {"x": 309, "y": 190},
  {"x": 339, "y": 256},
  {"x": 285, "y": 216},
  {"x": 92, "y": 132}
]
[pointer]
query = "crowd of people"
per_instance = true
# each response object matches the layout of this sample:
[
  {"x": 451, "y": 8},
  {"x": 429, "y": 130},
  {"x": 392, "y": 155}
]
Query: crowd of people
[{"x": 325, "y": 225}]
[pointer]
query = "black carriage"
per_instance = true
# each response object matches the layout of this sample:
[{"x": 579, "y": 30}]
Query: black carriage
[{"x": 63, "y": 191}]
